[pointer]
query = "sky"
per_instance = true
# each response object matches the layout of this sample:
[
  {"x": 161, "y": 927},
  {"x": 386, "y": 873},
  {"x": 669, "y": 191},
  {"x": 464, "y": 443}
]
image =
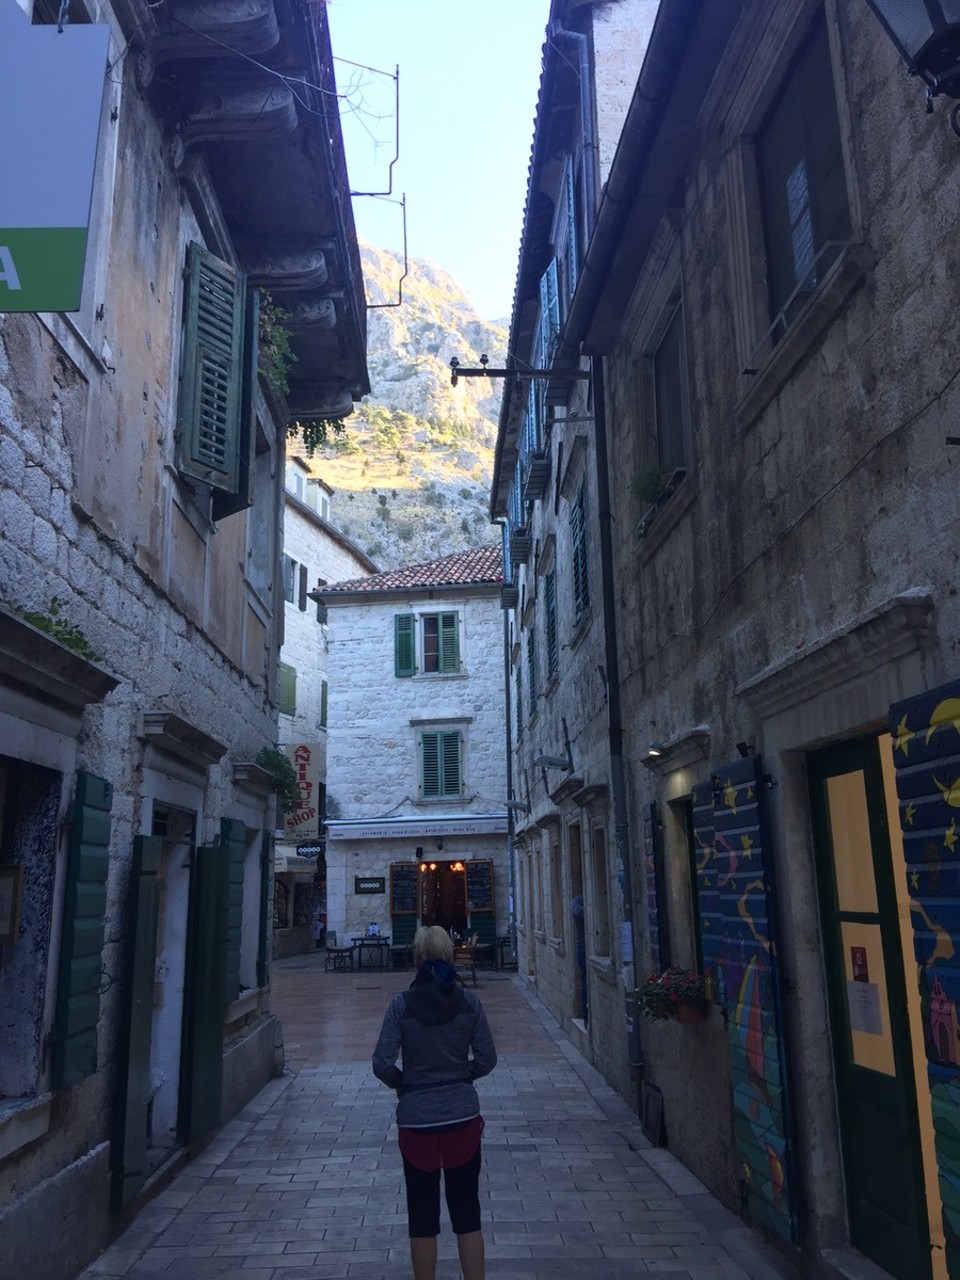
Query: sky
[{"x": 469, "y": 79}]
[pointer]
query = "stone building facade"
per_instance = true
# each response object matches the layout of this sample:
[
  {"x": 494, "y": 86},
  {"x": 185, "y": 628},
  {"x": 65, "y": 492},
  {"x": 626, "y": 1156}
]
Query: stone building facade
[
  {"x": 141, "y": 465},
  {"x": 760, "y": 306},
  {"x": 416, "y": 774},
  {"x": 550, "y": 488},
  {"x": 315, "y": 553}
]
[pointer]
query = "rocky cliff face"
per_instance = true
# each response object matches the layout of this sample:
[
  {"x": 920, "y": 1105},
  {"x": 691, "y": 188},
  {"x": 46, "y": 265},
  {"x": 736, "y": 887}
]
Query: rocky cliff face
[{"x": 411, "y": 473}]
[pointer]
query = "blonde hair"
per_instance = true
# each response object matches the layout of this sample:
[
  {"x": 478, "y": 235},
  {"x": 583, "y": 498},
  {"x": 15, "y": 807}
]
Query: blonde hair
[{"x": 432, "y": 943}]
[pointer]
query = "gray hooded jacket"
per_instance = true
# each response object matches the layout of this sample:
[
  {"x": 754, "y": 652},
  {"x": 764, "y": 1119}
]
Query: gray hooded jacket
[{"x": 440, "y": 1031}]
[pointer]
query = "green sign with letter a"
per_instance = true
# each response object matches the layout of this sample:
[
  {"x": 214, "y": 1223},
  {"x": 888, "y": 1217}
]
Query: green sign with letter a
[{"x": 49, "y": 120}]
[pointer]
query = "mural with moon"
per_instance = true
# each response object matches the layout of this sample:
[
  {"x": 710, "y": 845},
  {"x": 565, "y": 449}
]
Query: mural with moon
[
  {"x": 734, "y": 893},
  {"x": 926, "y": 751}
]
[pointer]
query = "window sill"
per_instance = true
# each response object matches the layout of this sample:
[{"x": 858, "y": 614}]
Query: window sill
[
  {"x": 580, "y": 630},
  {"x": 557, "y": 945},
  {"x": 660, "y": 521},
  {"x": 841, "y": 281},
  {"x": 245, "y": 1004},
  {"x": 23, "y": 1121},
  {"x": 602, "y": 966}
]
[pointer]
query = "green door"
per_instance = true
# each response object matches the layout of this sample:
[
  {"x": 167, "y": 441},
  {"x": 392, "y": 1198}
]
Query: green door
[
  {"x": 876, "y": 1098},
  {"x": 201, "y": 1077}
]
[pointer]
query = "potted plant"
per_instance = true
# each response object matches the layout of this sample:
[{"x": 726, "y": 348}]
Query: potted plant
[{"x": 676, "y": 993}]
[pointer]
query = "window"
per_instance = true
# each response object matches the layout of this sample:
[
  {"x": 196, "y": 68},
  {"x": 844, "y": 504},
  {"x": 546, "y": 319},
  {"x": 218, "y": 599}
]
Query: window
[
  {"x": 427, "y": 644},
  {"x": 803, "y": 187},
  {"x": 441, "y": 754},
  {"x": 578, "y": 531},
  {"x": 323, "y": 704},
  {"x": 289, "y": 578},
  {"x": 670, "y": 393},
  {"x": 556, "y": 885},
  {"x": 288, "y": 690},
  {"x": 217, "y": 380},
  {"x": 549, "y": 334},
  {"x": 550, "y": 621}
]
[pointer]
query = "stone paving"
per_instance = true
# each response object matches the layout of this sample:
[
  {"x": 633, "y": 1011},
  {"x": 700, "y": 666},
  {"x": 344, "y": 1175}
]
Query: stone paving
[{"x": 306, "y": 1184}]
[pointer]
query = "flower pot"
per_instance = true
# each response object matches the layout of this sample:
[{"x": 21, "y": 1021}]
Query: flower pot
[{"x": 690, "y": 1013}]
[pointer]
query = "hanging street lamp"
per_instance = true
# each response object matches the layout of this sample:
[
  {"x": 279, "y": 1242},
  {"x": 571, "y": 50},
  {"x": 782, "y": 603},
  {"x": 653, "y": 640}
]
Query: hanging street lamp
[{"x": 927, "y": 35}]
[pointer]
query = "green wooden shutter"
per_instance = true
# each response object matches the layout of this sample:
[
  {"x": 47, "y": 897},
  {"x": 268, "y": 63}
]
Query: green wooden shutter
[
  {"x": 210, "y": 383},
  {"x": 578, "y": 525},
  {"x": 430, "y": 764},
  {"x": 266, "y": 908},
  {"x": 449, "y": 643},
  {"x": 403, "y": 648},
  {"x": 573, "y": 247},
  {"x": 550, "y": 610},
  {"x": 201, "y": 1078},
  {"x": 288, "y": 690},
  {"x": 128, "y": 1151},
  {"x": 233, "y": 838},
  {"x": 450, "y": 779},
  {"x": 227, "y": 504},
  {"x": 84, "y": 911},
  {"x": 532, "y": 670}
]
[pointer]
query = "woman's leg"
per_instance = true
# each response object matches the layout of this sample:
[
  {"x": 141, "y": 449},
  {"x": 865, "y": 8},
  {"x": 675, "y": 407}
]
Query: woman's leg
[
  {"x": 461, "y": 1187},
  {"x": 470, "y": 1248},
  {"x": 423, "y": 1255},
  {"x": 423, "y": 1219}
]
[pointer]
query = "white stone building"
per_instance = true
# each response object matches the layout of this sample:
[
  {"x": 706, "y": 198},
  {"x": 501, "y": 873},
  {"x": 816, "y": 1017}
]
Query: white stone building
[
  {"x": 416, "y": 799},
  {"x": 315, "y": 552}
]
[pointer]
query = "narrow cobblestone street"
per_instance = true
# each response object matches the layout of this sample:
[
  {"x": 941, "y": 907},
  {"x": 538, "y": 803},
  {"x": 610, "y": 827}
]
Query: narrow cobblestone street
[{"x": 306, "y": 1184}]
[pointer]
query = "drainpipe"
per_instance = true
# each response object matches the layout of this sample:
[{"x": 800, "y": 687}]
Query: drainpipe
[
  {"x": 618, "y": 790},
  {"x": 585, "y": 78}
]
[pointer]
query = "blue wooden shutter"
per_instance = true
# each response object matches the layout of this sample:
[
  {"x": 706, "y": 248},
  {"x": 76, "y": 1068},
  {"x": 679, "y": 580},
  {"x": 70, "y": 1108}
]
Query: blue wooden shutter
[
  {"x": 403, "y": 647},
  {"x": 208, "y": 426},
  {"x": 201, "y": 1077},
  {"x": 226, "y": 504},
  {"x": 128, "y": 1151},
  {"x": 926, "y": 753},
  {"x": 84, "y": 911},
  {"x": 233, "y": 838},
  {"x": 549, "y": 313},
  {"x": 449, "y": 642}
]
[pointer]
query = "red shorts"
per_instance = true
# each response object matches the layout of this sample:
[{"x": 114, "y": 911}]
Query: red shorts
[{"x": 442, "y": 1148}]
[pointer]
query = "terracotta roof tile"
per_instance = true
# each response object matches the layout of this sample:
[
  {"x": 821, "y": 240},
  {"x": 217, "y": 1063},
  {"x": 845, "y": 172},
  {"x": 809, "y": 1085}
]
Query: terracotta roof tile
[{"x": 481, "y": 565}]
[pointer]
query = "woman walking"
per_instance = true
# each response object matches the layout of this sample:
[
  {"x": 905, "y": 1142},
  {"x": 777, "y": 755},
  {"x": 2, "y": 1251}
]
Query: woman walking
[{"x": 439, "y": 1031}]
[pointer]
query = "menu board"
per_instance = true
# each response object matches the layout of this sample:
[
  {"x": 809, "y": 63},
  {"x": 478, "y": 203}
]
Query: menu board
[
  {"x": 479, "y": 886},
  {"x": 403, "y": 888}
]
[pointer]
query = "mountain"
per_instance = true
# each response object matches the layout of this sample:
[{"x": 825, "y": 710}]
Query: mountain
[{"x": 411, "y": 473}]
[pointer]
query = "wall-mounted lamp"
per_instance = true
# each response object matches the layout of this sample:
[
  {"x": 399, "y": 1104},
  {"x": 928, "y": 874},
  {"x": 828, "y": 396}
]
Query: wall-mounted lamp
[
  {"x": 520, "y": 806},
  {"x": 440, "y": 846},
  {"x": 553, "y": 762},
  {"x": 433, "y": 866},
  {"x": 654, "y": 751},
  {"x": 927, "y": 36}
]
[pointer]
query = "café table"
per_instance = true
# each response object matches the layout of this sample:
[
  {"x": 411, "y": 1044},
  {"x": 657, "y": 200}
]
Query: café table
[{"x": 376, "y": 949}]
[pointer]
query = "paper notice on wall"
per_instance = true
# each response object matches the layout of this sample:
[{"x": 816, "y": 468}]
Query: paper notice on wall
[{"x": 863, "y": 1003}]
